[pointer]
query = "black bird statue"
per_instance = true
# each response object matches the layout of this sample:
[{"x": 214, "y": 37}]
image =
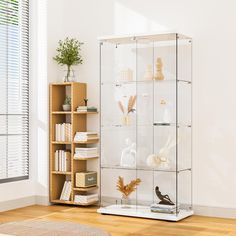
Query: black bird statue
[{"x": 165, "y": 199}]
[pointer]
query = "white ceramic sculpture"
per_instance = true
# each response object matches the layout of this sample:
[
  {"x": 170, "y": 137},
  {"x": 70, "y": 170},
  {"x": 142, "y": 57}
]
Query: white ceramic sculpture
[
  {"x": 152, "y": 160},
  {"x": 161, "y": 160},
  {"x": 128, "y": 155},
  {"x": 148, "y": 75}
]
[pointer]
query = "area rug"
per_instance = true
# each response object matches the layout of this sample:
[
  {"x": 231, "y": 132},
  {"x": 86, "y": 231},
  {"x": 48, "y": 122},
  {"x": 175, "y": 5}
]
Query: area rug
[{"x": 49, "y": 228}]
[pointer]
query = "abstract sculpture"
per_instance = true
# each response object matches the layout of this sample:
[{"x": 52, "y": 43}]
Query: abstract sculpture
[{"x": 165, "y": 199}]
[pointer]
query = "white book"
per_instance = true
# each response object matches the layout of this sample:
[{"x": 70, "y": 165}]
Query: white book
[
  {"x": 67, "y": 192},
  {"x": 70, "y": 135},
  {"x": 56, "y": 161},
  {"x": 60, "y": 160},
  {"x": 67, "y": 132},
  {"x": 63, "y": 191},
  {"x": 64, "y": 161},
  {"x": 56, "y": 132},
  {"x": 59, "y": 132},
  {"x": 62, "y": 132}
]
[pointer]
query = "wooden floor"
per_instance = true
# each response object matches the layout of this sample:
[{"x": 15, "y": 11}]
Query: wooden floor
[{"x": 122, "y": 226}]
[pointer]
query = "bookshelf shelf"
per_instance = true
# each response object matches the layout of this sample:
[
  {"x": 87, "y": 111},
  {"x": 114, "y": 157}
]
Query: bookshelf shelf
[
  {"x": 58, "y": 117},
  {"x": 86, "y": 189},
  {"x": 61, "y": 112},
  {"x": 85, "y": 204},
  {"x": 85, "y": 113},
  {"x": 57, "y": 142},
  {"x": 73, "y": 203},
  {"x": 61, "y": 173},
  {"x": 85, "y": 158},
  {"x": 61, "y": 201}
]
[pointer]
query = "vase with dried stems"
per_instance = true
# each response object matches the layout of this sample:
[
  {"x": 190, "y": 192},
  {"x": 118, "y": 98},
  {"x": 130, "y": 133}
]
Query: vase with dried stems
[
  {"x": 126, "y": 190},
  {"x": 127, "y": 110}
]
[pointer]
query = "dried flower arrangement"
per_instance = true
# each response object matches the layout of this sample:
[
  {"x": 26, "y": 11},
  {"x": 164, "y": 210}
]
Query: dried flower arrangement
[
  {"x": 130, "y": 106},
  {"x": 127, "y": 189}
]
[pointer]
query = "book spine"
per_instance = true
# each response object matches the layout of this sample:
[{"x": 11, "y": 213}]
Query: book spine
[
  {"x": 67, "y": 161},
  {"x": 63, "y": 191},
  {"x": 60, "y": 161},
  {"x": 56, "y": 161}
]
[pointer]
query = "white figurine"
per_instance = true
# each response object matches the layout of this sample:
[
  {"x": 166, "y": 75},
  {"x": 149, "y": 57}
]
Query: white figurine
[
  {"x": 152, "y": 160},
  {"x": 148, "y": 75},
  {"x": 128, "y": 155},
  {"x": 161, "y": 160}
]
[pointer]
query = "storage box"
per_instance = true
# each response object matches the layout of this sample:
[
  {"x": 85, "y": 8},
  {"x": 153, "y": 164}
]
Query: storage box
[{"x": 86, "y": 179}]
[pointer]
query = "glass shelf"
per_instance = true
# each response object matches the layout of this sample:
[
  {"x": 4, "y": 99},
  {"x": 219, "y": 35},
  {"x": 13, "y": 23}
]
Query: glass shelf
[
  {"x": 144, "y": 168},
  {"x": 133, "y": 82},
  {"x": 147, "y": 125}
]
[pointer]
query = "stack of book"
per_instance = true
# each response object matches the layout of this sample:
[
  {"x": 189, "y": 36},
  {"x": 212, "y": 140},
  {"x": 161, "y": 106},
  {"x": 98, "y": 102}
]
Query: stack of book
[
  {"x": 85, "y": 152},
  {"x": 86, "y": 199},
  {"x": 66, "y": 191},
  {"x": 161, "y": 208},
  {"x": 62, "y": 161},
  {"x": 86, "y": 109},
  {"x": 85, "y": 136},
  {"x": 63, "y": 132}
]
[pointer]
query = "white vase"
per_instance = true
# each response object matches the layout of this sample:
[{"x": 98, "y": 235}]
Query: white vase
[
  {"x": 69, "y": 77},
  {"x": 66, "y": 107}
]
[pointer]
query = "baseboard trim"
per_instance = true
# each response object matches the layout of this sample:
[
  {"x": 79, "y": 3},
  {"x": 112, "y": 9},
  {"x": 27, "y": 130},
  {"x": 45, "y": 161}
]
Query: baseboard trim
[
  {"x": 42, "y": 200},
  {"x": 17, "y": 203},
  {"x": 215, "y": 211}
]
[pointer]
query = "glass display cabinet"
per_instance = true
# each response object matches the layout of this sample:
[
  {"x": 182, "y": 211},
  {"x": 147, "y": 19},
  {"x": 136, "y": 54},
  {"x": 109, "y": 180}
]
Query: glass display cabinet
[{"x": 146, "y": 147}]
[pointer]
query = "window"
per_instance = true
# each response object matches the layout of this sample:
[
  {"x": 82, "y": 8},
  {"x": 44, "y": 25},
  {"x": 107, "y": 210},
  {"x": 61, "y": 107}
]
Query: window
[{"x": 14, "y": 90}]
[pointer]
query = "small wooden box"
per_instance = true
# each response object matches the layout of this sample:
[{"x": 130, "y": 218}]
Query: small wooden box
[{"x": 86, "y": 179}]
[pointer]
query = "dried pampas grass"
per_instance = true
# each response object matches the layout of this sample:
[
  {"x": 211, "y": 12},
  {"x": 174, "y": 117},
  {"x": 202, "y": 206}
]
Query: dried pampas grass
[
  {"x": 130, "y": 106},
  {"x": 131, "y": 103},
  {"x": 127, "y": 189}
]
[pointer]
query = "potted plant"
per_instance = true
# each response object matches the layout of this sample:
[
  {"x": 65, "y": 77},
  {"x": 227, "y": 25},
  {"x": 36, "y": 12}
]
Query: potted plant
[
  {"x": 68, "y": 53},
  {"x": 67, "y": 104}
]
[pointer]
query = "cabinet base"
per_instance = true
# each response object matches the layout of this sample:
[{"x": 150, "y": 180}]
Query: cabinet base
[{"x": 143, "y": 212}]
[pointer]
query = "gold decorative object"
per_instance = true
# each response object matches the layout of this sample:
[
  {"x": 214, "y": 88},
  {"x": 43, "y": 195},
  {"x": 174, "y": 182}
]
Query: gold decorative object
[
  {"x": 127, "y": 189},
  {"x": 159, "y": 75}
]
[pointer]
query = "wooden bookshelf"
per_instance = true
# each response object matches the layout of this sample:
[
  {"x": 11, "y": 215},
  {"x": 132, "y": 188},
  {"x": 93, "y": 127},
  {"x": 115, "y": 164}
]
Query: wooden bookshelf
[{"x": 78, "y": 120}]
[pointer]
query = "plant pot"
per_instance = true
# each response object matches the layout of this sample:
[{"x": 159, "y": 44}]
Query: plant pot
[
  {"x": 126, "y": 120},
  {"x": 66, "y": 107}
]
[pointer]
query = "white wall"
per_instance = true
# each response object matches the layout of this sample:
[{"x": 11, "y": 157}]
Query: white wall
[{"x": 210, "y": 25}]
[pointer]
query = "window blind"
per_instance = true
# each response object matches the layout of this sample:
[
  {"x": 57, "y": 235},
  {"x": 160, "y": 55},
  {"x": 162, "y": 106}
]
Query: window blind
[{"x": 14, "y": 90}]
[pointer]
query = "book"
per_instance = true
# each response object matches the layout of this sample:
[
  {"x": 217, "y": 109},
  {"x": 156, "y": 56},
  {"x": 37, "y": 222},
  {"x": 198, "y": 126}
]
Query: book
[
  {"x": 161, "y": 208},
  {"x": 63, "y": 132},
  {"x": 62, "y": 160},
  {"x": 85, "y": 152},
  {"x": 56, "y": 161},
  {"x": 67, "y": 193},
  {"x": 86, "y": 199},
  {"x": 63, "y": 191},
  {"x": 85, "y": 136}
]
